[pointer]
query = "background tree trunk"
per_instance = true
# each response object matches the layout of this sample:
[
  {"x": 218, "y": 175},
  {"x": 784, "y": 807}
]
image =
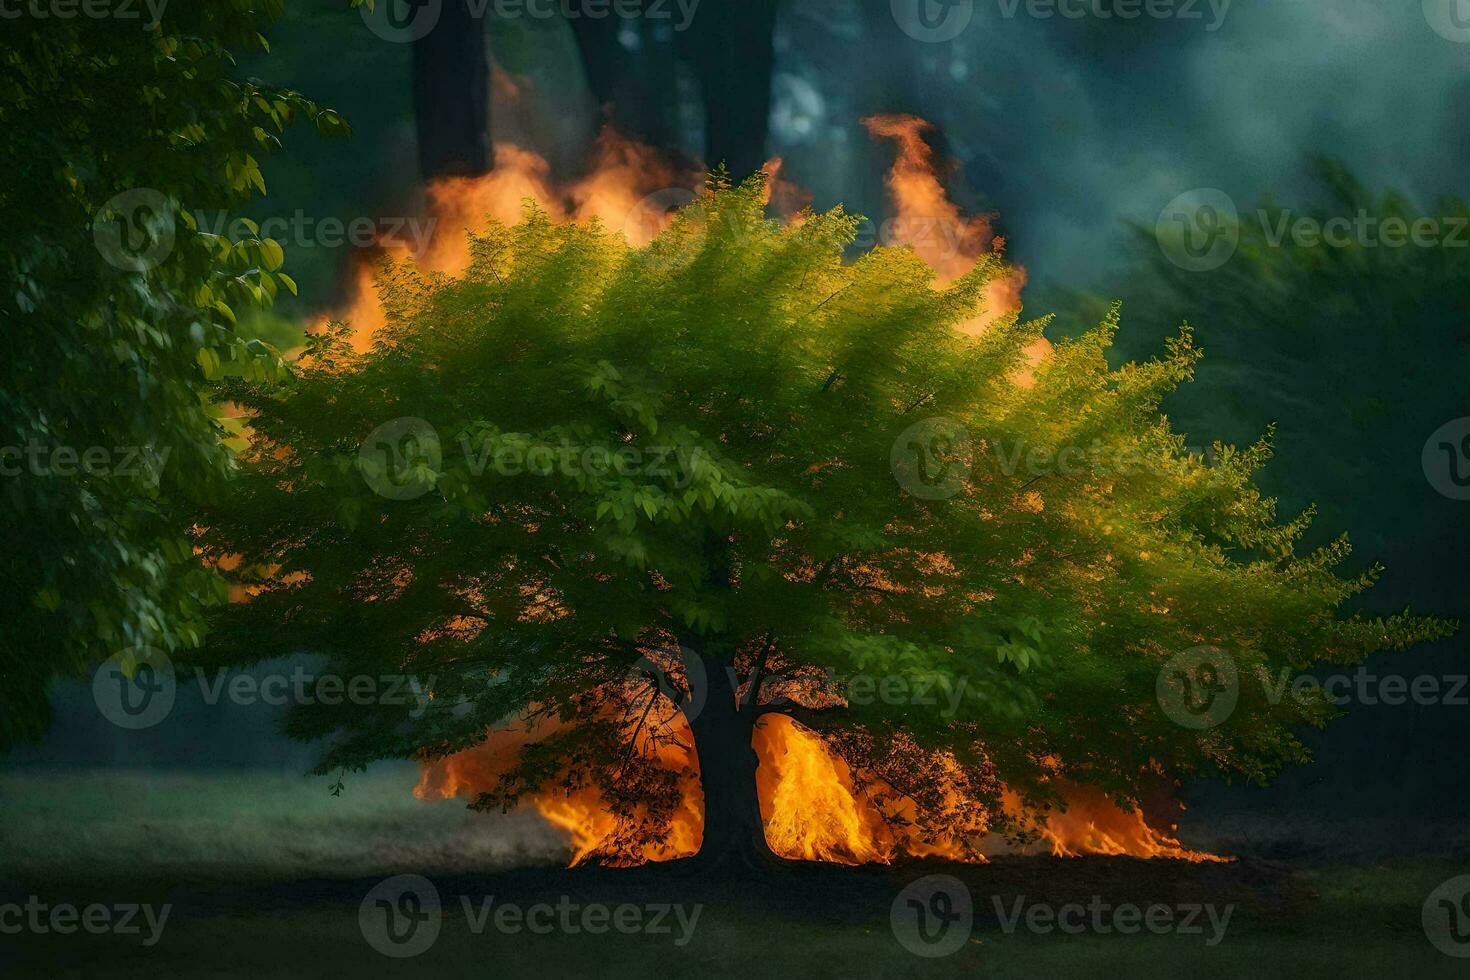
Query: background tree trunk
[
  {"x": 451, "y": 95},
  {"x": 731, "y": 46}
]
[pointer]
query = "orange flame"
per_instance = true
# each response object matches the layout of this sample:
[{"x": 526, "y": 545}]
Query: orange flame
[
  {"x": 949, "y": 241},
  {"x": 1093, "y": 824},
  {"x": 808, "y": 802},
  {"x": 622, "y": 190},
  {"x": 630, "y": 187}
]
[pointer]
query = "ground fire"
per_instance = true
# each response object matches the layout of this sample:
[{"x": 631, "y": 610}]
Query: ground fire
[{"x": 811, "y": 808}]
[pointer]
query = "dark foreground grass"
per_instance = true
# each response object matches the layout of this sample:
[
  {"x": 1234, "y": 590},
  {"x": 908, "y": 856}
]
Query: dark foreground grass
[{"x": 806, "y": 922}]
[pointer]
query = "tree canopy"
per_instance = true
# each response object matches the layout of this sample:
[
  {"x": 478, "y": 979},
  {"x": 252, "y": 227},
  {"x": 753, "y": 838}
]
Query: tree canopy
[
  {"x": 846, "y": 484},
  {"x": 116, "y": 308}
]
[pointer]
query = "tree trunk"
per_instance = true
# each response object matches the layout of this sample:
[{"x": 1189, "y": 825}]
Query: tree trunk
[
  {"x": 451, "y": 95},
  {"x": 731, "y": 47},
  {"x": 734, "y": 834}
]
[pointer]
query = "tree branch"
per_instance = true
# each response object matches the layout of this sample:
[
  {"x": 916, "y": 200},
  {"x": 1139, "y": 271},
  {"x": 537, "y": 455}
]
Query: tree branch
[
  {"x": 810, "y": 717},
  {"x": 758, "y": 672}
]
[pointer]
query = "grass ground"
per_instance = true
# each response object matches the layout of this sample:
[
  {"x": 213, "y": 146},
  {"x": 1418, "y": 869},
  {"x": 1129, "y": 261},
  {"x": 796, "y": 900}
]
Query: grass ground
[
  {"x": 813, "y": 922},
  {"x": 266, "y": 875}
]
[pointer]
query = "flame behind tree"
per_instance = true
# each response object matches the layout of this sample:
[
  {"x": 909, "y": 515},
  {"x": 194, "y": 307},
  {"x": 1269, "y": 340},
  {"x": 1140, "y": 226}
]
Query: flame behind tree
[{"x": 621, "y": 619}]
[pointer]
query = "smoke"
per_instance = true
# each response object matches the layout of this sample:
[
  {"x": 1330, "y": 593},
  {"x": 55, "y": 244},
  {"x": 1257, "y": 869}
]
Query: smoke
[
  {"x": 1067, "y": 127},
  {"x": 252, "y": 822}
]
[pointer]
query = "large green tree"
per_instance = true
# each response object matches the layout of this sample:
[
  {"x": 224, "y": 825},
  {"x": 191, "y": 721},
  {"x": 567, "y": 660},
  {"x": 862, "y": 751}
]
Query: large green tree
[
  {"x": 847, "y": 484},
  {"x": 1341, "y": 315},
  {"x": 116, "y": 307}
]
